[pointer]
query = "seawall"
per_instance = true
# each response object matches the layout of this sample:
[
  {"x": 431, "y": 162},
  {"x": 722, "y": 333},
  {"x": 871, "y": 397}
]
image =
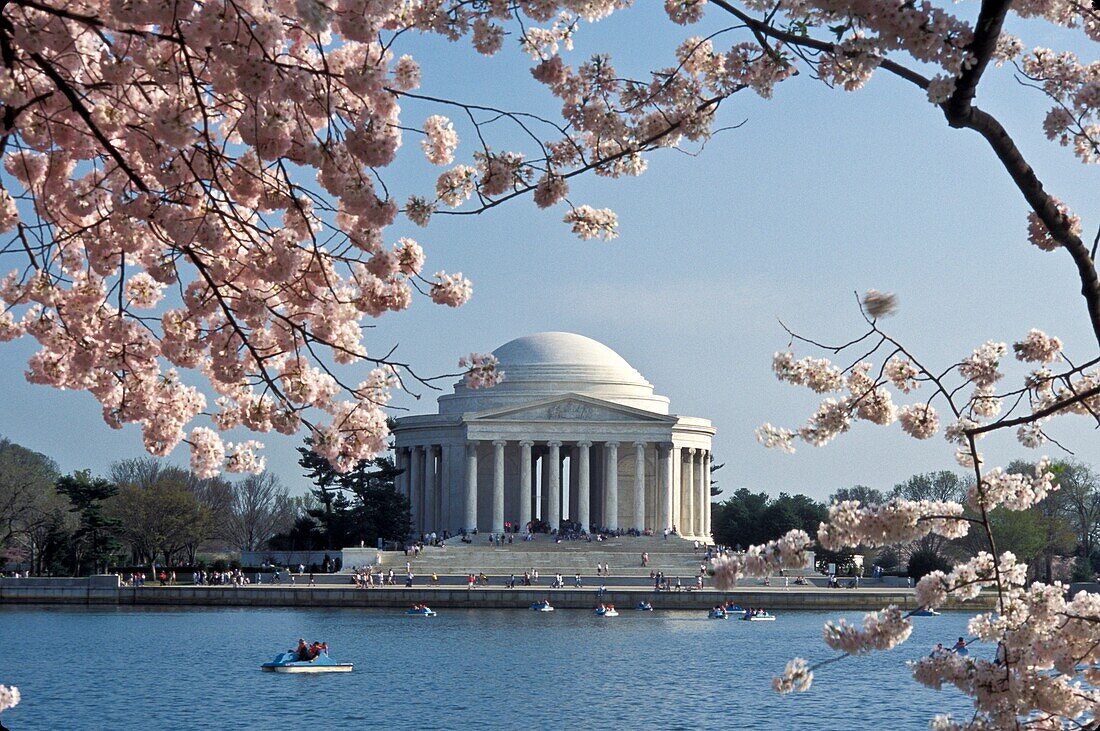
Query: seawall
[{"x": 105, "y": 590}]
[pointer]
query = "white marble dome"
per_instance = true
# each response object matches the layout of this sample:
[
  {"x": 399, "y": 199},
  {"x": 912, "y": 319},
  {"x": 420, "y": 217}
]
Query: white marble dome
[{"x": 549, "y": 364}]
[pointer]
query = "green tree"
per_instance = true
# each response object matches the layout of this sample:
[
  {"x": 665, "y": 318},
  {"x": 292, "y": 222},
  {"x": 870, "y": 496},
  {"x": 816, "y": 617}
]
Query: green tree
[
  {"x": 750, "y": 518},
  {"x": 259, "y": 509},
  {"x": 361, "y": 505},
  {"x": 1080, "y": 490},
  {"x": 924, "y": 561},
  {"x": 865, "y": 495},
  {"x": 27, "y": 496},
  {"x": 737, "y": 520},
  {"x": 715, "y": 491},
  {"x": 94, "y": 540},
  {"x": 160, "y": 514},
  {"x": 1053, "y": 518},
  {"x": 940, "y": 486}
]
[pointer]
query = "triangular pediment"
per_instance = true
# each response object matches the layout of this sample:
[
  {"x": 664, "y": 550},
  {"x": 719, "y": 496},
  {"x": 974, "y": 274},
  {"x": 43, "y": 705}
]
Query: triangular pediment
[{"x": 571, "y": 407}]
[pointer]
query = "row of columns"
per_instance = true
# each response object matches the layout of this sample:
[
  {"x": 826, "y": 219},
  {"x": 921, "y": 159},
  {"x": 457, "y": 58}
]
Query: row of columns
[{"x": 682, "y": 478}]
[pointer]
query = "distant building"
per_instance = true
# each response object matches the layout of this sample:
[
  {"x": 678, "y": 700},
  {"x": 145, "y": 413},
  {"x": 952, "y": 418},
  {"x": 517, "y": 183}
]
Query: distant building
[{"x": 574, "y": 433}]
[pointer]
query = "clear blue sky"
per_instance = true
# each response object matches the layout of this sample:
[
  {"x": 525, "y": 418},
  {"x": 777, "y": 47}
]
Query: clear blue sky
[{"x": 819, "y": 194}]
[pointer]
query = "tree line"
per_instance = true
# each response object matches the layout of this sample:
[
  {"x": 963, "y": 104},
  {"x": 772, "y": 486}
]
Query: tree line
[
  {"x": 1058, "y": 537},
  {"x": 147, "y": 511}
]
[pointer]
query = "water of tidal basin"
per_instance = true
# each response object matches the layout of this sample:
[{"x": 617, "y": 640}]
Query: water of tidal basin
[{"x": 464, "y": 669}]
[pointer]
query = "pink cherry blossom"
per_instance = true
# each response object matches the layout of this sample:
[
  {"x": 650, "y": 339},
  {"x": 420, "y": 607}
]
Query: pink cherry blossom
[
  {"x": 774, "y": 437},
  {"x": 881, "y": 631},
  {"x": 441, "y": 141},
  {"x": 797, "y": 676},
  {"x": 9, "y": 697},
  {"x": 452, "y": 290},
  {"x": 593, "y": 223},
  {"x": 482, "y": 370},
  {"x": 1038, "y": 347},
  {"x": 919, "y": 420}
]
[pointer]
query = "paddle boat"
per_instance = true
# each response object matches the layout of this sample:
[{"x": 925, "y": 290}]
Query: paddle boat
[
  {"x": 731, "y": 607},
  {"x": 924, "y": 613},
  {"x": 420, "y": 610},
  {"x": 644, "y": 607},
  {"x": 288, "y": 662},
  {"x": 543, "y": 606},
  {"x": 716, "y": 613},
  {"x": 606, "y": 611},
  {"x": 758, "y": 615}
]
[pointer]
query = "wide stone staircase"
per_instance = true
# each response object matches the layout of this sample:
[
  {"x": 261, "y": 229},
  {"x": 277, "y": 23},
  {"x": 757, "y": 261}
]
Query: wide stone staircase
[{"x": 673, "y": 557}]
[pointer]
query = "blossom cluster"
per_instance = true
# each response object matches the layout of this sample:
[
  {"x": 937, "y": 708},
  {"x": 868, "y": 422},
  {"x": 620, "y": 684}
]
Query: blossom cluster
[
  {"x": 787, "y": 552},
  {"x": 897, "y": 521},
  {"x": 882, "y": 630},
  {"x": 818, "y": 374},
  {"x": 1045, "y": 644},
  {"x": 9, "y": 697},
  {"x": 1038, "y": 347},
  {"x": 1011, "y": 490},
  {"x": 797, "y": 676},
  {"x": 967, "y": 579},
  {"x": 482, "y": 370},
  {"x": 593, "y": 223},
  {"x": 1074, "y": 88}
]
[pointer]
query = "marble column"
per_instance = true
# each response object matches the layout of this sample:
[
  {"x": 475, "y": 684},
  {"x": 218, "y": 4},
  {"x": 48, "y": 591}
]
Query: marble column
[
  {"x": 416, "y": 489},
  {"x": 544, "y": 480},
  {"x": 707, "y": 527},
  {"x": 446, "y": 458},
  {"x": 687, "y": 487},
  {"x": 611, "y": 486},
  {"x": 574, "y": 478},
  {"x": 639, "y": 486},
  {"x": 536, "y": 509},
  {"x": 401, "y": 461},
  {"x": 525, "y": 484},
  {"x": 700, "y": 495},
  {"x": 583, "y": 495},
  {"x": 426, "y": 488},
  {"x": 664, "y": 472},
  {"x": 498, "y": 486},
  {"x": 436, "y": 525},
  {"x": 554, "y": 488},
  {"x": 470, "y": 523}
]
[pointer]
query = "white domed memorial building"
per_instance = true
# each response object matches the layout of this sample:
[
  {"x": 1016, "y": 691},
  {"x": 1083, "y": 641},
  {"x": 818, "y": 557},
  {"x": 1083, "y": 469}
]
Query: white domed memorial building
[{"x": 573, "y": 437}]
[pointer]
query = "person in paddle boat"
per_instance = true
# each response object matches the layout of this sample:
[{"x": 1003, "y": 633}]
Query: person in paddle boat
[
  {"x": 960, "y": 647},
  {"x": 302, "y": 653}
]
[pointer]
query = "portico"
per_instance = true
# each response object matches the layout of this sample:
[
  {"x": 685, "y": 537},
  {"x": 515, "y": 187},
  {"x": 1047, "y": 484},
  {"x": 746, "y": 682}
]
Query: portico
[{"x": 573, "y": 438}]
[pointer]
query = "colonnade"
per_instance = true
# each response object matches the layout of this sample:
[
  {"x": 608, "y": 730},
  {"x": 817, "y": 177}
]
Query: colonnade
[{"x": 485, "y": 484}]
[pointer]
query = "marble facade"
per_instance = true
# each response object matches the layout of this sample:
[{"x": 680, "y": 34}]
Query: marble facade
[{"x": 573, "y": 433}]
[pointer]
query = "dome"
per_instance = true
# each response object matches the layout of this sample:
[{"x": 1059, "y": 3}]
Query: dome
[
  {"x": 554, "y": 350},
  {"x": 549, "y": 364}
]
